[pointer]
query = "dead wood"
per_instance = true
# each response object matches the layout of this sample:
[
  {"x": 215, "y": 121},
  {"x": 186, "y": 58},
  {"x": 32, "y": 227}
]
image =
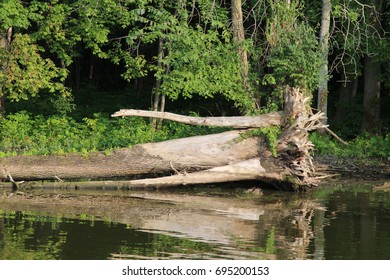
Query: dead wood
[
  {"x": 264, "y": 120},
  {"x": 294, "y": 147},
  {"x": 252, "y": 169},
  {"x": 186, "y": 154},
  {"x": 294, "y": 162}
]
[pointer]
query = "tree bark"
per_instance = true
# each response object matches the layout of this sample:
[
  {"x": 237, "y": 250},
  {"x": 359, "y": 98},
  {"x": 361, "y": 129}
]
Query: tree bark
[
  {"x": 157, "y": 104},
  {"x": 322, "y": 103},
  {"x": 2, "y": 106},
  {"x": 239, "y": 37},
  {"x": 186, "y": 154},
  {"x": 371, "y": 100},
  {"x": 265, "y": 170},
  {"x": 264, "y": 120},
  {"x": 372, "y": 72},
  {"x": 5, "y": 42},
  {"x": 346, "y": 96}
]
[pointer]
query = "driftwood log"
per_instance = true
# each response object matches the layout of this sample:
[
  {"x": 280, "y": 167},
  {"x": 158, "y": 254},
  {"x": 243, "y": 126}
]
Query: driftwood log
[{"x": 214, "y": 158}]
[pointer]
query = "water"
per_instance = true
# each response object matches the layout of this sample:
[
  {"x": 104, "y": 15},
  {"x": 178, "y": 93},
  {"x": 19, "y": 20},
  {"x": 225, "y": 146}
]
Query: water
[{"x": 332, "y": 222}]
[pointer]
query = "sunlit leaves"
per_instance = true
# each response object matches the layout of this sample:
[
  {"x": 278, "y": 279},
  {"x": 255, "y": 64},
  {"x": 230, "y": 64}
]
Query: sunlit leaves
[
  {"x": 27, "y": 72},
  {"x": 202, "y": 64},
  {"x": 296, "y": 59},
  {"x": 13, "y": 13},
  {"x": 199, "y": 59}
]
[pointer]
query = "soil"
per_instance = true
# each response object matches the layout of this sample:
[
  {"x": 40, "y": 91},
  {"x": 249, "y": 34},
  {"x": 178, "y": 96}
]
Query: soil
[{"x": 353, "y": 168}]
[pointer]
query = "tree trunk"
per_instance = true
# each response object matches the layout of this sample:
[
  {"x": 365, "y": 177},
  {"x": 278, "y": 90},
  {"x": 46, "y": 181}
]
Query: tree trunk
[
  {"x": 2, "y": 107},
  {"x": 347, "y": 95},
  {"x": 371, "y": 101},
  {"x": 264, "y": 120},
  {"x": 186, "y": 154},
  {"x": 239, "y": 37},
  {"x": 322, "y": 103},
  {"x": 5, "y": 42},
  {"x": 157, "y": 98},
  {"x": 372, "y": 73}
]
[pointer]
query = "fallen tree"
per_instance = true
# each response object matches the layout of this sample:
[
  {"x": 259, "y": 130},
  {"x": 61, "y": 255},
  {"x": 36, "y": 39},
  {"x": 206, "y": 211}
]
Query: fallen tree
[
  {"x": 293, "y": 165},
  {"x": 223, "y": 157},
  {"x": 265, "y": 120}
]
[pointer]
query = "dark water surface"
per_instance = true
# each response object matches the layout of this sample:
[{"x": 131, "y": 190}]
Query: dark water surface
[{"x": 343, "y": 221}]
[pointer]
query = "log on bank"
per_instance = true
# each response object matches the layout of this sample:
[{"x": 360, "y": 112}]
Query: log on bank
[{"x": 222, "y": 157}]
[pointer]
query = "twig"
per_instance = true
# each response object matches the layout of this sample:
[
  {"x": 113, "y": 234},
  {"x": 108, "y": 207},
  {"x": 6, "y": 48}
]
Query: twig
[
  {"x": 335, "y": 136},
  {"x": 174, "y": 169},
  {"x": 59, "y": 179},
  {"x": 15, "y": 186}
]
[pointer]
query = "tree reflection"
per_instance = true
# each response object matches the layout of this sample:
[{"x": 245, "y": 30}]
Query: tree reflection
[
  {"x": 325, "y": 224},
  {"x": 26, "y": 236}
]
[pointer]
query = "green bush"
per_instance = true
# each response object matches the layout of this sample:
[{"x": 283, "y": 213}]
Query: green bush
[
  {"x": 21, "y": 133},
  {"x": 363, "y": 146},
  {"x": 24, "y": 134}
]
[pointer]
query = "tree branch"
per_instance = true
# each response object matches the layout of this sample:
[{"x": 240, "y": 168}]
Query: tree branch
[{"x": 264, "y": 120}]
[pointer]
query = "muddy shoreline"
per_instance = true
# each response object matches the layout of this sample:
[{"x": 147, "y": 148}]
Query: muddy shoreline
[{"x": 350, "y": 168}]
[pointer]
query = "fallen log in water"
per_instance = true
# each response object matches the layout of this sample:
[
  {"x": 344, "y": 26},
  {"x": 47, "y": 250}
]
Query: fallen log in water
[{"x": 222, "y": 157}]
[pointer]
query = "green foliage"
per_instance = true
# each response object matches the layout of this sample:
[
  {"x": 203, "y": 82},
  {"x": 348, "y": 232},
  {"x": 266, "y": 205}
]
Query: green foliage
[
  {"x": 13, "y": 13},
  {"x": 204, "y": 64},
  {"x": 271, "y": 134},
  {"x": 26, "y": 72},
  {"x": 23, "y": 134},
  {"x": 364, "y": 146},
  {"x": 49, "y": 27},
  {"x": 292, "y": 54},
  {"x": 198, "y": 59},
  {"x": 295, "y": 59},
  {"x": 64, "y": 27}
]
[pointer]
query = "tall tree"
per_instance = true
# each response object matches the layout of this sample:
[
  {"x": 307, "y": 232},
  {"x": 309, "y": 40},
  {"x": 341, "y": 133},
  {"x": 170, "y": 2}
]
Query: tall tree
[
  {"x": 372, "y": 73},
  {"x": 347, "y": 94},
  {"x": 294, "y": 55},
  {"x": 5, "y": 42},
  {"x": 158, "y": 103},
  {"x": 200, "y": 57},
  {"x": 239, "y": 38},
  {"x": 322, "y": 103}
]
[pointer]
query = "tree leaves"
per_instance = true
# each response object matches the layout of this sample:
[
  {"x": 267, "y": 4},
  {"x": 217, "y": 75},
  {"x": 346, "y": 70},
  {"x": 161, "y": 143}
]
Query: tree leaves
[{"x": 27, "y": 72}]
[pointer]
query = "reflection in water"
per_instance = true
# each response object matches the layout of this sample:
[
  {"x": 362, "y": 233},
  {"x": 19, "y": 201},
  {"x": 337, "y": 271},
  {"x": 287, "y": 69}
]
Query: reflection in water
[{"x": 330, "y": 223}]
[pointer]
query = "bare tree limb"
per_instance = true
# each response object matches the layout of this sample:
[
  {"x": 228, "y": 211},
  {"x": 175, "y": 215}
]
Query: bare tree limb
[{"x": 264, "y": 120}]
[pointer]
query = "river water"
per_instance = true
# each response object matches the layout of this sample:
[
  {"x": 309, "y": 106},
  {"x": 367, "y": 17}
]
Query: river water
[{"x": 336, "y": 221}]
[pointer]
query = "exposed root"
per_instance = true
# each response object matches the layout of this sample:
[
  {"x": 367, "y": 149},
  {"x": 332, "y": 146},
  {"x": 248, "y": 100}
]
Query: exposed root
[{"x": 294, "y": 148}]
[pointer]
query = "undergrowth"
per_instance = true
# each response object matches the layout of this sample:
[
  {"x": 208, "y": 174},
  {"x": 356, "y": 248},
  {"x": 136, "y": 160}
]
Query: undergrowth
[
  {"x": 363, "y": 146},
  {"x": 24, "y": 134}
]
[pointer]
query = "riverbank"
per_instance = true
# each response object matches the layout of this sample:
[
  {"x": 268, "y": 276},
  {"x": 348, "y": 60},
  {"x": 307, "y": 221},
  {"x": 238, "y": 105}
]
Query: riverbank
[{"x": 353, "y": 168}]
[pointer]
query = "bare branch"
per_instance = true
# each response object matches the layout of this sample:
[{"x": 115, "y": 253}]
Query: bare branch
[{"x": 264, "y": 120}]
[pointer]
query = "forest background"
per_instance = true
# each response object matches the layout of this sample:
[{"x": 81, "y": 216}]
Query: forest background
[{"x": 66, "y": 66}]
